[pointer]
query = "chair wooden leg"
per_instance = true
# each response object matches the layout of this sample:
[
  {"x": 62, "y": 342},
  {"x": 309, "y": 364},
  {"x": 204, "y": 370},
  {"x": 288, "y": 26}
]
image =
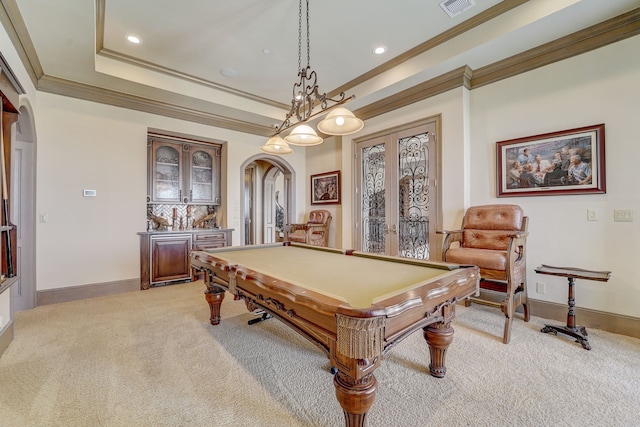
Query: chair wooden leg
[
  {"x": 525, "y": 308},
  {"x": 521, "y": 299},
  {"x": 525, "y": 302},
  {"x": 508, "y": 307},
  {"x": 507, "y": 329}
]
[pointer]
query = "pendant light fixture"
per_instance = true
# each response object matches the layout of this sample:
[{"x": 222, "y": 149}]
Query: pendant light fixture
[
  {"x": 276, "y": 145},
  {"x": 303, "y": 135},
  {"x": 340, "y": 122},
  {"x": 306, "y": 96}
]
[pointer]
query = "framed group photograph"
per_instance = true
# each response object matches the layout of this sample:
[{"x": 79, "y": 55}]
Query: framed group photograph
[
  {"x": 325, "y": 188},
  {"x": 556, "y": 163}
]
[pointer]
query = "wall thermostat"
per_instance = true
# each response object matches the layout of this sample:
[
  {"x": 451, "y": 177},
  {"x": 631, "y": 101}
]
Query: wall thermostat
[{"x": 89, "y": 193}]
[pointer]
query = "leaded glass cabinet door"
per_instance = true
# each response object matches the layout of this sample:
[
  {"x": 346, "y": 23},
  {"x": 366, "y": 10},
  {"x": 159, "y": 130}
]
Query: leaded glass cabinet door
[
  {"x": 396, "y": 188},
  {"x": 167, "y": 172},
  {"x": 203, "y": 181}
]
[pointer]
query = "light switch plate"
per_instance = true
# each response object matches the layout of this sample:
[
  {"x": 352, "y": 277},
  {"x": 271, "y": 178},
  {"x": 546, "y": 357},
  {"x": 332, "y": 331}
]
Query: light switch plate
[{"x": 623, "y": 215}]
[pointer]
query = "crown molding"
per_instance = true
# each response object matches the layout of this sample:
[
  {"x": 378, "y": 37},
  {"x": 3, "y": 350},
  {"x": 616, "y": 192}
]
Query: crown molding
[
  {"x": 475, "y": 21},
  {"x": 108, "y": 53},
  {"x": 599, "y": 35},
  {"x": 11, "y": 87},
  {"x": 13, "y": 23},
  {"x": 459, "y": 77},
  {"x": 591, "y": 38},
  {"x": 86, "y": 92}
]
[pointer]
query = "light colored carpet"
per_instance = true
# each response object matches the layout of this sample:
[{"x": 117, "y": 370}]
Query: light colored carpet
[{"x": 151, "y": 358}]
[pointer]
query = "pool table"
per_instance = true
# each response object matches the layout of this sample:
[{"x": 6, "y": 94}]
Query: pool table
[{"x": 354, "y": 306}]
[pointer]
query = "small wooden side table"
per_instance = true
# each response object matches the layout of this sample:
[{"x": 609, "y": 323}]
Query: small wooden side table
[{"x": 577, "y": 332}]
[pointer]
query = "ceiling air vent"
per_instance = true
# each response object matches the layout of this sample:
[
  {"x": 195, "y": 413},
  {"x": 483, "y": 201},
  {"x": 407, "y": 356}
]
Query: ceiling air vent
[{"x": 456, "y": 7}]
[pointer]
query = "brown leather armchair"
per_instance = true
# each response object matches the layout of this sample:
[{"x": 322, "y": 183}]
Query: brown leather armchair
[
  {"x": 314, "y": 232},
  {"x": 493, "y": 237}
]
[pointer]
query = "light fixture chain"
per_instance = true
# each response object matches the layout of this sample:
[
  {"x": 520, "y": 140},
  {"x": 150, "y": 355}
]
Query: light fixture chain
[
  {"x": 308, "y": 43},
  {"x": 299, "y": 35},
  {"x": 306, "y": 96}
]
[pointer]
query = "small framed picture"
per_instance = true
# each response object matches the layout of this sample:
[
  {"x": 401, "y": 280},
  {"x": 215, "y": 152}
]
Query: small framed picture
[
  {"x": 325, "y": 188},
  {"x": 557, "y": 163}
]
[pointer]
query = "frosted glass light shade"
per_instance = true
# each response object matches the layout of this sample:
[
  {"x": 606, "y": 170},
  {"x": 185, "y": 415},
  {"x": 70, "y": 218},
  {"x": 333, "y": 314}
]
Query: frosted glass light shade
[
  {"x": 276, "y": 145},
  {"x": 340, "y": 121},
  {"x": 303, "y": 135}
]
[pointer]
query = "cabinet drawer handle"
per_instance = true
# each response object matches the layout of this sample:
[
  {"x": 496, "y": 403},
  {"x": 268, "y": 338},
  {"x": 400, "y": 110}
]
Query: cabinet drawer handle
[{"x": 211, "y": 236}]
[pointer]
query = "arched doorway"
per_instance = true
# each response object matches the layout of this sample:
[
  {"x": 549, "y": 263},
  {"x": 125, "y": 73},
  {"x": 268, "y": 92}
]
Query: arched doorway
[
  {"x": 267, "y": 202},
  {"x": 23, "y": 194}
]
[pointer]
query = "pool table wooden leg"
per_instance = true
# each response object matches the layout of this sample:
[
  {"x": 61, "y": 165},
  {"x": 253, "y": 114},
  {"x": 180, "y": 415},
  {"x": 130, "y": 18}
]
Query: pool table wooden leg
[
  {"x": 439, "y": 336},
  {"x": 355, "y": 397},
  {"x": 214, "y": 296}
]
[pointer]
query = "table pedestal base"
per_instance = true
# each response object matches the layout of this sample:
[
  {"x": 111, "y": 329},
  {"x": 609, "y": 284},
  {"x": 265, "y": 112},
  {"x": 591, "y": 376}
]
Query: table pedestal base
[
  {"x": 572, "y": 329},
  {"x": 579, "y": 333}
]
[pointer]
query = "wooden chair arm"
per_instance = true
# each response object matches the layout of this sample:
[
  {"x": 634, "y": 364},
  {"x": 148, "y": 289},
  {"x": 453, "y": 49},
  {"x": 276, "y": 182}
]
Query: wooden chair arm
[
  {"x": 448, "y": 231},
  {"x": 289, "y": 228},
  {"x": 450, "y": 236},
  {"x": 517, "y": 247},
  {"x": 519, "y": 235},
  {"x": 315, "y": 227}
]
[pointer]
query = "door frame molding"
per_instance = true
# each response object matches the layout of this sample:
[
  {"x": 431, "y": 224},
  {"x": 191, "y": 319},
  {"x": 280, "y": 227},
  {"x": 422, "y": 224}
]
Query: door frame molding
[
  {"x": 289, "y": 176},
  {"x": 25, "y": 133},
  {"x": 435, "y": 252}
]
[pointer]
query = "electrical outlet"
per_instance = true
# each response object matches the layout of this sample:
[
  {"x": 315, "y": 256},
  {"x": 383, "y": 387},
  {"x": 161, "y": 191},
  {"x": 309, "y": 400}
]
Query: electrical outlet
[
  {"x": 592, "y": 215},
  {"x": 540, "y": 287}
]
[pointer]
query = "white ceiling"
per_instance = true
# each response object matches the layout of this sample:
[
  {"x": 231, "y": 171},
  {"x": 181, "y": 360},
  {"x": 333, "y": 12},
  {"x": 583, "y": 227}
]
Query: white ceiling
[{"x": 186, "y": 43}]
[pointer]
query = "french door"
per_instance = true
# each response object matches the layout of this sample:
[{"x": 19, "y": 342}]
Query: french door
[{"x": 396, "y": 191}]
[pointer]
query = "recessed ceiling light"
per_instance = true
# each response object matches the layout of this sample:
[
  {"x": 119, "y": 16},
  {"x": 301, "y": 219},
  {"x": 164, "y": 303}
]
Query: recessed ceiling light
[
  {"x": 228, "y": 72},
  {"x": 380, "y": 50},
  {"x": 266, "y": 51},
  {"x": 134, "y": 39}
]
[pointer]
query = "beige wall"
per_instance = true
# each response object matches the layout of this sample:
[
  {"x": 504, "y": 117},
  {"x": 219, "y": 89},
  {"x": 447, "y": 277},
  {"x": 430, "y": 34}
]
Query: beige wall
[
  {"x": 322, "y": 158},
  {"x": 89, "y": 145},
  {"x": 597, "y": 87}
]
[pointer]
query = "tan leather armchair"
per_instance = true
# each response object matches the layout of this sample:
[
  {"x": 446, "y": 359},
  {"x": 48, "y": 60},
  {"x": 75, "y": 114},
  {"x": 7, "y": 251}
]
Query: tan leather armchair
[
  {"x": 314, "y": 232},
  {"x": 493, "y": 237}
]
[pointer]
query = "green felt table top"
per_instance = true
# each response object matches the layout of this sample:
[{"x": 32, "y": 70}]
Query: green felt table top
[{"x": 359, "y": 281}]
